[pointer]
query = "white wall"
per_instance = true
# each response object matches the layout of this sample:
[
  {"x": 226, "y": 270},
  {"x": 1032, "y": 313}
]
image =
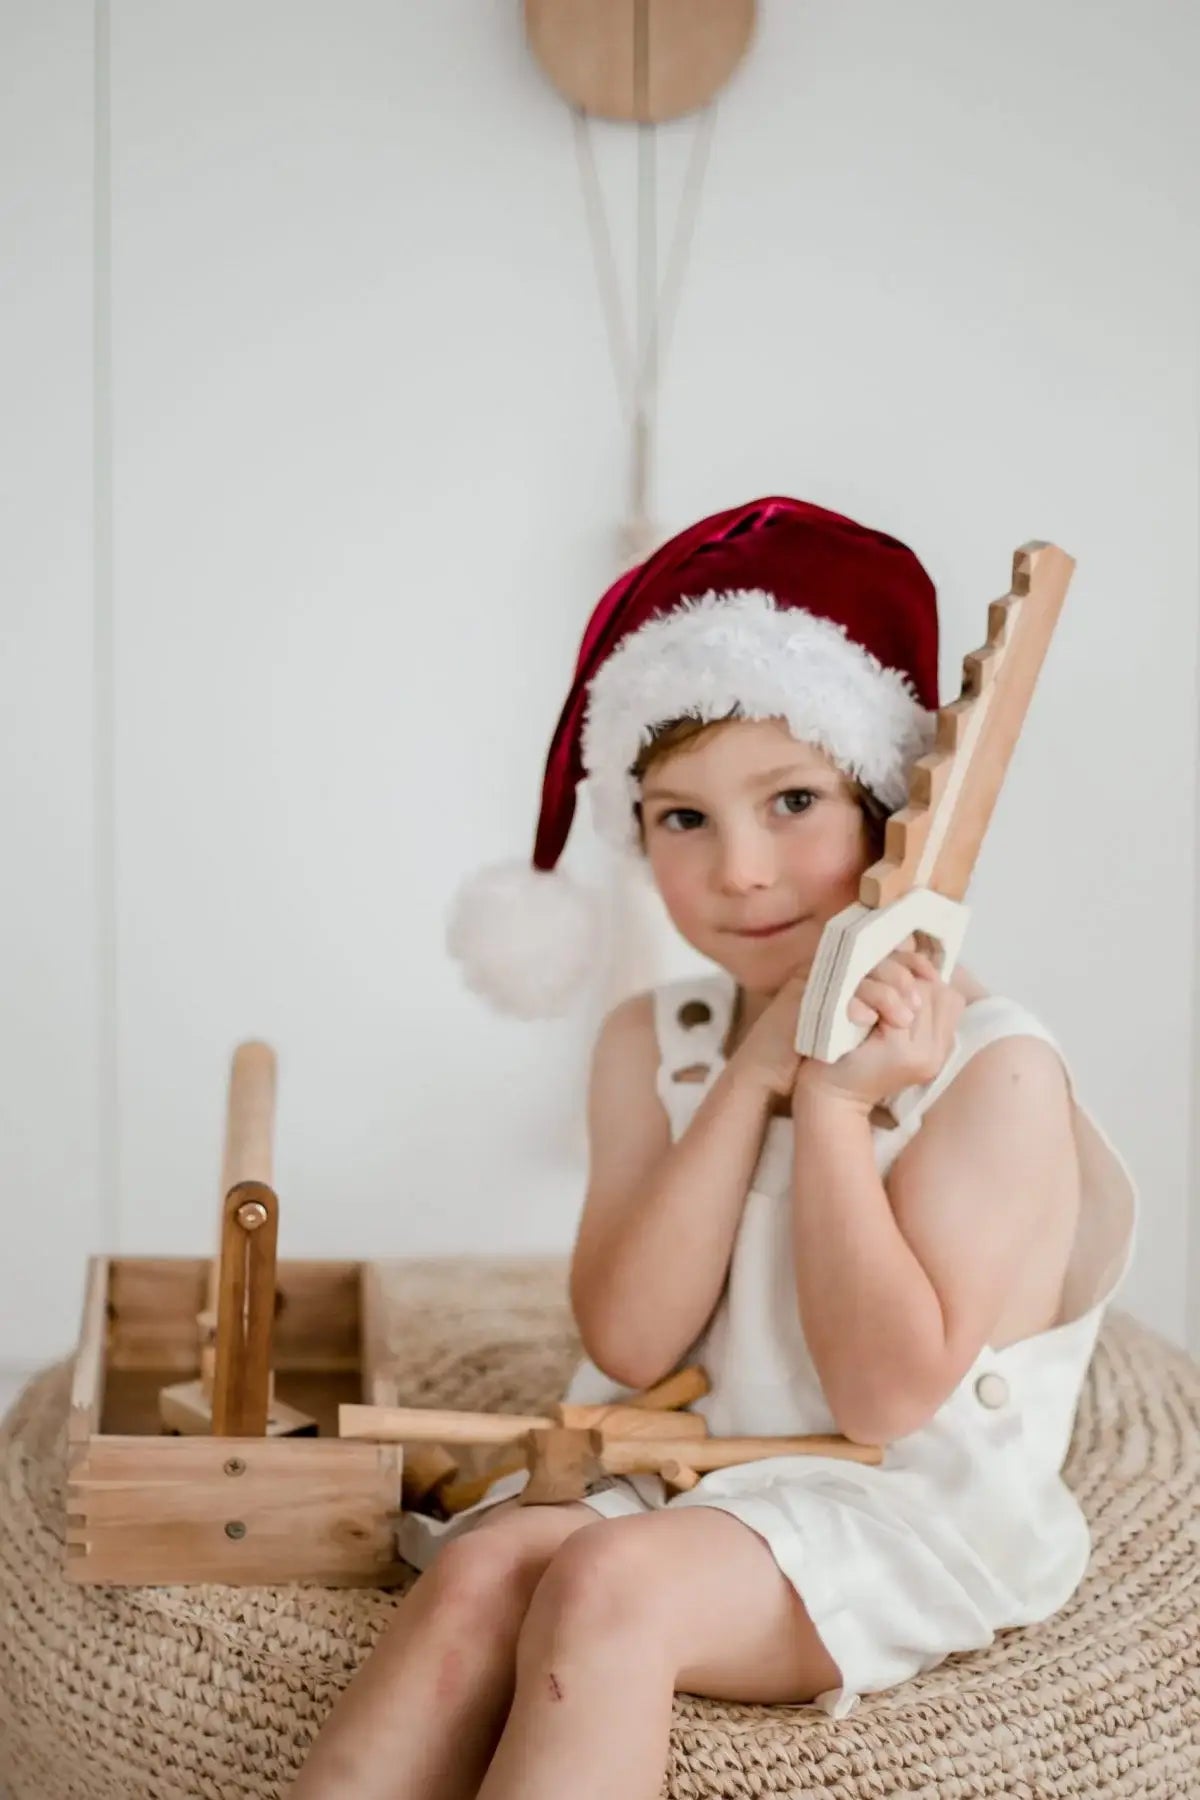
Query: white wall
[
  {"x": 366, "y": 467},
  {"x": 52, "y": 1140}
]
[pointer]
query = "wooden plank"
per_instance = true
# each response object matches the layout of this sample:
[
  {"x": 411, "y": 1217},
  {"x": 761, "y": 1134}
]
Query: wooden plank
[
  {"x": 318, "y": 1319},
  {"x": 132, "y": 1403},
  {"x": 91, "y": 1356},
  {"x": 236, "y": 1510},
  {"x": 156, "y": 1301},
  {"x": 398, "y": 1424}
]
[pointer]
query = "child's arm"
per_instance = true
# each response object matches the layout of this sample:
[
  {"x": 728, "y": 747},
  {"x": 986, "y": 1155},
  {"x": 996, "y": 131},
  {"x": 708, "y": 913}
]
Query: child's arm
[
  {"x": 660, "y": 1218},
  {"x": 900, "y": 1283}
]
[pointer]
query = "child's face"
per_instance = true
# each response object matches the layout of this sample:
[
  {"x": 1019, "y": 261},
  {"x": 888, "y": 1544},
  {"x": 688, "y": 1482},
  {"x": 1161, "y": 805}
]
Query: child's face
[{"x": 746, "y": 828}]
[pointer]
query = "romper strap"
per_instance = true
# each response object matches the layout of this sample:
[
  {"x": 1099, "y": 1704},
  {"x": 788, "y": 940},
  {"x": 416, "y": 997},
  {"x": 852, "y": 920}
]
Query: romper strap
[
  {"x": 691, "y": 1021},
  {"x": 983, "y": 1022}
]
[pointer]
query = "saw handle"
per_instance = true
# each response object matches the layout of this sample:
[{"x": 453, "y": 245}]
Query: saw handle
[{"x": 852, "y": 944}]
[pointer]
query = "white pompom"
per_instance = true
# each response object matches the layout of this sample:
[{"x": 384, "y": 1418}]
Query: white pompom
[{"x": 527, "y": 939}]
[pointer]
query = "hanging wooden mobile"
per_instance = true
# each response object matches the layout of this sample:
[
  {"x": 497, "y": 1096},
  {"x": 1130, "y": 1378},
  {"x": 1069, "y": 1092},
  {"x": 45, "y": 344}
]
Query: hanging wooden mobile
[{"x": 642, "y": 62}]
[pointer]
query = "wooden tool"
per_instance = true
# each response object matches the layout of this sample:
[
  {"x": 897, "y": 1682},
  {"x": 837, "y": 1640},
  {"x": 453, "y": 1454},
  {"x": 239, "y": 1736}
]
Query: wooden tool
[
  {"x": 431, "y": 1474},
  {"x": 234, "y": 1395},
  {"x": 931, "y": 844},
  {"x": 239, "y": 1487},
  {"x": 565, "y": 1464},
  {"x": 580, "y": 1446}
]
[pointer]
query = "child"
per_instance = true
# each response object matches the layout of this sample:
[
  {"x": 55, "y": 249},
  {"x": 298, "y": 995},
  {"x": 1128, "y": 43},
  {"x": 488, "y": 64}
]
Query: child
[{"x": 746, "y": 707}]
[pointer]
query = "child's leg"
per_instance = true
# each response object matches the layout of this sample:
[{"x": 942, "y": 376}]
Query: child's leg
[
  {"x": 686, "y": 1599},
  {"x": 421, "y": 1718}
]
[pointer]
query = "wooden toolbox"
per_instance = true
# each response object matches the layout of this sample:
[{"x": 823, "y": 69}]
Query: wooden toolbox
[
  {"x": 144, "y": 1507},
  {"x": 203, "y": 1435}
]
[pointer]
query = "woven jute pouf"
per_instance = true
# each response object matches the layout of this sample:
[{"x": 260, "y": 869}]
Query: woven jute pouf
[{"x": 158, "y": 1693}]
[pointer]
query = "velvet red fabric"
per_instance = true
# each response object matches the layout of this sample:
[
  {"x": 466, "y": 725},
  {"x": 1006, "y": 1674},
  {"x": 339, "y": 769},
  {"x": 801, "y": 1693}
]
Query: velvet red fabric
[{"x": 803, "y": 554}]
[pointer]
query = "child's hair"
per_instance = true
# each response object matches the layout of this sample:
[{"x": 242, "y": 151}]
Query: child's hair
[{"x": 673, "y": 734}]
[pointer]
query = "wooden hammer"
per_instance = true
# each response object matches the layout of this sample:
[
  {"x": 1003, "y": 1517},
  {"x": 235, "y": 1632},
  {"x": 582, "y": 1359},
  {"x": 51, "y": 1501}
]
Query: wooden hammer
[{"x": 429, "y": 1482}]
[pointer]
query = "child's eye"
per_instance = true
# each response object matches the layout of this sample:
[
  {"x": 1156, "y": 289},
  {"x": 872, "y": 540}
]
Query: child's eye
[
  {"x": 804, "y": 796},
  {"x": 686, "y": 814}
]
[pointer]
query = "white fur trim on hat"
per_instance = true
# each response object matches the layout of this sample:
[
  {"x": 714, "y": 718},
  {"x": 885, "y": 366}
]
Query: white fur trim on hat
[
  {"x": 722, "y": 651},
  {"x": 527, "y": 938}
]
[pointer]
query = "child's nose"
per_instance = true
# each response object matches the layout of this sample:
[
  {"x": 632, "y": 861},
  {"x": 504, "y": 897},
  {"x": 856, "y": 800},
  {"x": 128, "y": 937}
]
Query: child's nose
[{"x": 746, "y": 860}]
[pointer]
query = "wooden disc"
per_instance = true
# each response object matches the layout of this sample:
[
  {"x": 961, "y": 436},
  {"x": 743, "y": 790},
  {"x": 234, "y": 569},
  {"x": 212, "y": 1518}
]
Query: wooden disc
[{"x": 647, "y": 60}]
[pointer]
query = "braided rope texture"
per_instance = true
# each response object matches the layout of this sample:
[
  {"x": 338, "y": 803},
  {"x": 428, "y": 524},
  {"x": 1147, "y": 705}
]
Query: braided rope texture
[{"x": 160, "y": 1693}]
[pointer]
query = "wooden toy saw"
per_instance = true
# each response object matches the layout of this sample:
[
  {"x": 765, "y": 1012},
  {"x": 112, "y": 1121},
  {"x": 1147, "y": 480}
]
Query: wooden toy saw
[{"x": 932, "y": 843}]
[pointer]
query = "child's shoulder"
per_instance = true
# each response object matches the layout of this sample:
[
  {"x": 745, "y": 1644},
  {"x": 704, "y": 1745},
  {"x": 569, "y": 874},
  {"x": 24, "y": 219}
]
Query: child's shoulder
[
  {"x": 991, "y": 1017},
  {"x": 693, "y": 1004},
  {"x": 683, "y": 1022},
  {"x": 1004, "y": 1058},
  {"x": 627, "y": 1031}
]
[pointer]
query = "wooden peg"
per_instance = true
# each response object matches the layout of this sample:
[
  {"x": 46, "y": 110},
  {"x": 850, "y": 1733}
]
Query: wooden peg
[
  {"x": 632, "y": 1421},
  {"x": 646, "y": 1456},
  {"x": 458, "y": 1496},
  {"x": 673, "y": 1391},
  {"x": 678, "y": 1479},
  {"x": 428, "y": 1470}
]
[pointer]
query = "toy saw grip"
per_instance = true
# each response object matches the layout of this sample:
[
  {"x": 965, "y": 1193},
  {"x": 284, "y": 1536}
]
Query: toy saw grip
[{"x": 852, "y": 944}]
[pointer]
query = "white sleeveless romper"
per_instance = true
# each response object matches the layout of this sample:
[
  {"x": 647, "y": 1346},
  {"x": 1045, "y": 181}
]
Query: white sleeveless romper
[{"x": 966, "y": 1528}]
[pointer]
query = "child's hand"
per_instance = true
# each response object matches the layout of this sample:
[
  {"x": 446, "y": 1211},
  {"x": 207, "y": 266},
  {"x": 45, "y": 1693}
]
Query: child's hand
[
  {"x": 914, "y": 1015},
  {"x": 767, "y": 1056}
]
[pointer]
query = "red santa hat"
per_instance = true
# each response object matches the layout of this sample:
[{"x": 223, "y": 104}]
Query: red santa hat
[{"x": 776, "y": 609}]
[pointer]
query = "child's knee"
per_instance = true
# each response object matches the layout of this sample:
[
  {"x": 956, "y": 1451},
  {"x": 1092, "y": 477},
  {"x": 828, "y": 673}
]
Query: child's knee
[
  {"x": 492, "y": 1570},
  {"x": 601, "y": 1582},
  {"x": 482, "y": 1576}
]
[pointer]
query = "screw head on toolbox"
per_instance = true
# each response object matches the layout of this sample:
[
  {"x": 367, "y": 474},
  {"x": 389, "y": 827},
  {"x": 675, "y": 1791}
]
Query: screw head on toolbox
[
  {"x": 251, "y": 1214},
  {"x": 235, "y": 1529}
]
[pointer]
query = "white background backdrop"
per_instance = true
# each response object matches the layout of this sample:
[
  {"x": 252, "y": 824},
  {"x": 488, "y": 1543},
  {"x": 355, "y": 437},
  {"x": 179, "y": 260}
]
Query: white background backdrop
[{"x": 311, "y": 467}]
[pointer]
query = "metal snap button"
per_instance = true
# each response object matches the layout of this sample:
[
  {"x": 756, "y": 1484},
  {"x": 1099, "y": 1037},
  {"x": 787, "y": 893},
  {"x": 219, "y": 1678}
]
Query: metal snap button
[{"x": 991, "y": 1389}]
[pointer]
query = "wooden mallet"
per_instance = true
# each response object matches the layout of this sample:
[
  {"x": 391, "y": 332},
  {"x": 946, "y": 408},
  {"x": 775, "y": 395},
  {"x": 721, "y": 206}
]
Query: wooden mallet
[{"x": 430, "y": 1481}]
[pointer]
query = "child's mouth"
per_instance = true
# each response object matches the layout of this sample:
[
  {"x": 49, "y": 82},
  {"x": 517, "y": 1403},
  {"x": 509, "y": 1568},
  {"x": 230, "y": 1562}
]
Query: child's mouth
[{"x": 770, "y": 930}]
